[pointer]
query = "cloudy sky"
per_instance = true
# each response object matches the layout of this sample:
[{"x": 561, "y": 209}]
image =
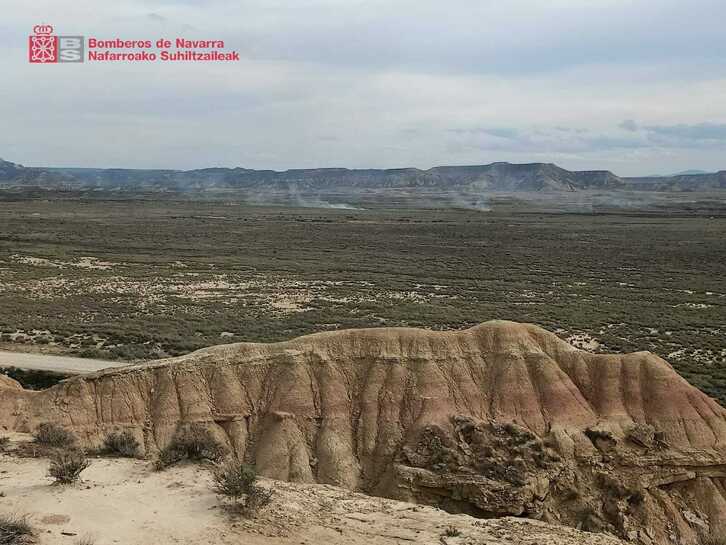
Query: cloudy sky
[{"x": 634, "y": 86}]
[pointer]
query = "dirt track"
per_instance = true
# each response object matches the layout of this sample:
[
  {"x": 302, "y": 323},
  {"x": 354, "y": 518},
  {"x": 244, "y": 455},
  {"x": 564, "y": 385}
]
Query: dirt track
[{"x": 60, "y": 364}]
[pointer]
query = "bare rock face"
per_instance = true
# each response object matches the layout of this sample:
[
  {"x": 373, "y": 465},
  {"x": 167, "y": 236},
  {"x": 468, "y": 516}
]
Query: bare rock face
[{"x": 501, "y": 419}]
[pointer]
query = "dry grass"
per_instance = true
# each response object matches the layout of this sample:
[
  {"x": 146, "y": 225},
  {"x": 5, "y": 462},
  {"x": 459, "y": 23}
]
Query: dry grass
[{"x": 15, "y": 529}]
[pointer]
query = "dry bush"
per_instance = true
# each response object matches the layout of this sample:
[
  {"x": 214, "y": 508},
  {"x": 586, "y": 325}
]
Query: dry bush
[
  {"x": 195, "y": 443},
  {"x": 256, "y": 499},
  {"x": 66, "y": 465},
  {"x": 594, "y": 434},
  {"x": 85, "y": 540},
  {"x": 642, "y": 435},
  {"x": 15, "y": 529},
  {"x": 122, "y": 444},
  {"x": 234, "y": 479},
  {"x": 237, "y": 480},
  {"x": 53, "y": 435},
  {"x": 4, "y": 443}
]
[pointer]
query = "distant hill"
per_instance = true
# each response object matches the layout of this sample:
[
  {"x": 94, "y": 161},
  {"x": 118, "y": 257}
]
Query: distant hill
[
  {"x": 682, "y": 173},
  {"x": 524, "y": 177},
  {"x": 681, "y": 182},
  {"x": 691, "y": 172},
  {"x": 508, "y": 177}
]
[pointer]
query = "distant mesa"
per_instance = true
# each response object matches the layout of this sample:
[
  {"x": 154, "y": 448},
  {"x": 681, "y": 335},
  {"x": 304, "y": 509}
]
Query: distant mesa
[
  {"x": 693, "y": 172},
  {"x": 504, "y": 177}
]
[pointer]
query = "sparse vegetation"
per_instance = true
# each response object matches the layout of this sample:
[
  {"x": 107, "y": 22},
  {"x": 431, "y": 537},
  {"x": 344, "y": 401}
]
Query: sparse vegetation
[
  {"x": 257, "y": 498},
  {"x": 604, "y": 275},
  {"x": 53, "y": 435},
  {"x": 593, "y": 434},
  {"x": 192, "y": 442},
  {"x": 452, "y": 531},
  {"x": 121, "y": 443},
  {"x": 236, "y": 481},
  {"x": 34, "y": 380},
  {"x": 639, "y": 433},
  {"x": 15, "y": 529},
  {"x": 85, "y": 540},
  {"x": 4, "y": 443},
  {"x": 67, "y": 465}
]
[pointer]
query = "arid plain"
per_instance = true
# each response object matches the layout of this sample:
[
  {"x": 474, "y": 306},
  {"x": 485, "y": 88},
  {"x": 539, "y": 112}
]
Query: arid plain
[{"x": 129, "y": 280}]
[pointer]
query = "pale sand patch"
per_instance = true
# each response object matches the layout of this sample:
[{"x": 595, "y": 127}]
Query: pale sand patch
[
  {"x": 693, "y": 305},
  {"x": 85, "y": 262},
  {"x": 583, "y": 341}
]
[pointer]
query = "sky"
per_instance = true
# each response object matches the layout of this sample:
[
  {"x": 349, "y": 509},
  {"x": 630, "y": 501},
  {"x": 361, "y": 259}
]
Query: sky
[{"x": 634, "y": 86}]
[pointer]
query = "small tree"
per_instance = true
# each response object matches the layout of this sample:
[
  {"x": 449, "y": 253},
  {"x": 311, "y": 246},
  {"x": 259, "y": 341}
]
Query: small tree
[
  {"x": 236, "y": 480},
  {"x": 66, "y": 465}
]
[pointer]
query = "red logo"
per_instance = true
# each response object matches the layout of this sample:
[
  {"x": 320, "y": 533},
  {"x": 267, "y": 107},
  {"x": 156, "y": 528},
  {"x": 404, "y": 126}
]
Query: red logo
[{"x": 43, "y": 46}]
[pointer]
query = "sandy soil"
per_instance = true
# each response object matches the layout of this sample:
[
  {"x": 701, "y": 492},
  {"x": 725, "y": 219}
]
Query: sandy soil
[
  {"x": 60, "y": 364},
  {"x": 124, "y": 501}
]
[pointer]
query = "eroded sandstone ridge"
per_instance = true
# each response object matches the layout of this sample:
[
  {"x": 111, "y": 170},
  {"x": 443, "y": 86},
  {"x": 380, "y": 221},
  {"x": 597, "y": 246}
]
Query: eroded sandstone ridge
[{"x": 500, "y": 419}]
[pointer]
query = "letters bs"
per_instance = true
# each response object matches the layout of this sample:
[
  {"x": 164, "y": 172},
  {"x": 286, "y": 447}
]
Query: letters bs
[{"x": 70, "y": 48}]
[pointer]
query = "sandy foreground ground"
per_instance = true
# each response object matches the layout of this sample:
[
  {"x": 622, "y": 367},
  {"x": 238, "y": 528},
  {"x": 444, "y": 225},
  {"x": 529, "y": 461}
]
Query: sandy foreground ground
[{"x": 124, "y": 501}]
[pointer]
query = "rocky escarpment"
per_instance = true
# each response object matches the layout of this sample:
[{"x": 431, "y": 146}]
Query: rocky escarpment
[{"x": 501, "y": 419}]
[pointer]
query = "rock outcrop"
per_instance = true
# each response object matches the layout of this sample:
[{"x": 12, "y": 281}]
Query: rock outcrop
[{"x": 501, "y": 419}]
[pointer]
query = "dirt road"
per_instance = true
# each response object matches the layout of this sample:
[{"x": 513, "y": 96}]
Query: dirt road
[{"x": 60, "y": 364}]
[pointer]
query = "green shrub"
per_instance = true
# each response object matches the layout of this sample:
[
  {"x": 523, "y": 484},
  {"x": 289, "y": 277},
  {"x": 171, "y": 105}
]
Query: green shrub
[
  {"x": 122, "y": 444},
  {"x": 234, "y": 479},
  {"x": 237, "y": 480},
  {"x": 34, "y": 380}
]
